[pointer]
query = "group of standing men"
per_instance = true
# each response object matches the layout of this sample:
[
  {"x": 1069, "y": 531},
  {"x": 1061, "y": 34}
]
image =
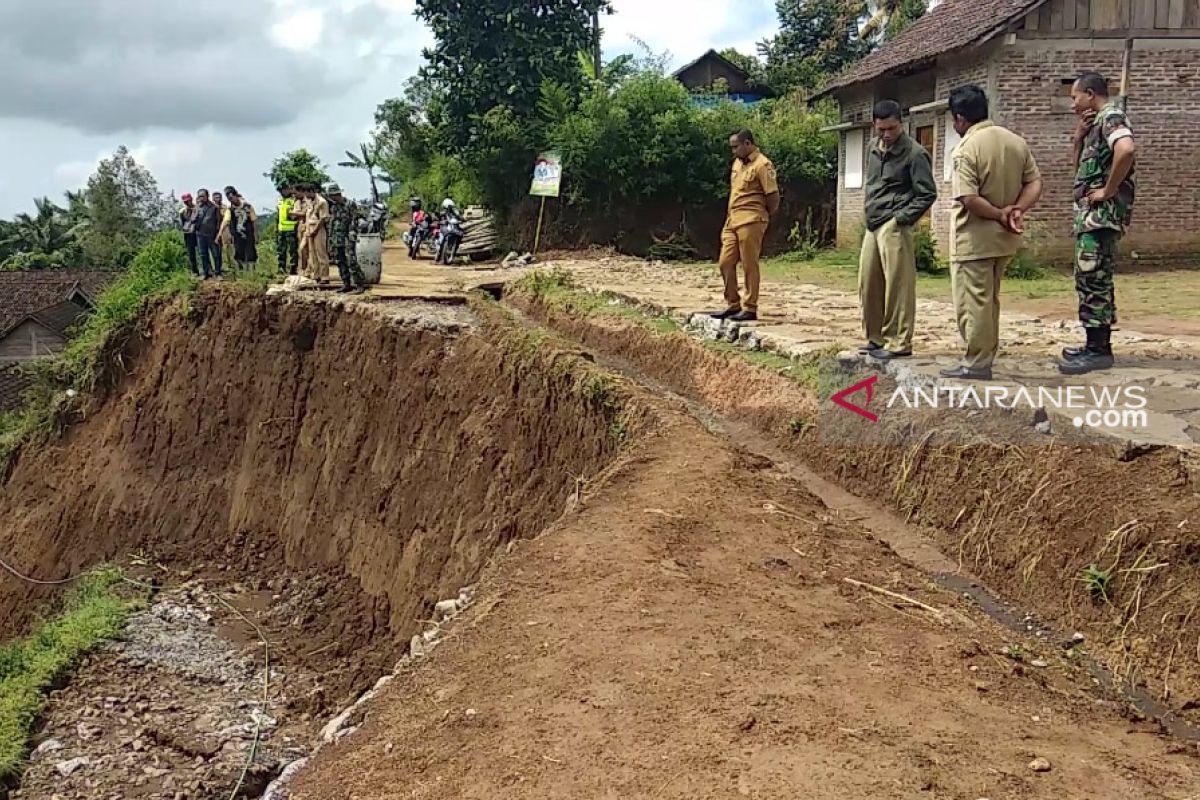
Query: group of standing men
[
  {"x": 315, "y": 229},
  {"x": 995, "y": 183},
  {"x": 215, "y": 235}
]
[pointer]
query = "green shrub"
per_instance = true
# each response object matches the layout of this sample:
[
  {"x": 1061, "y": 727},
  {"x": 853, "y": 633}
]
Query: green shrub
[
  {"x": 1025, "y": 266},
  {"x": 925, "y": 246}
]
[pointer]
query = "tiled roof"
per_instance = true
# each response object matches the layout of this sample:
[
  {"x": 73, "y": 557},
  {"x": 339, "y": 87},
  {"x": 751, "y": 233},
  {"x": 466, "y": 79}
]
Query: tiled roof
[
  {"x": 952, "y": 25},
  {"x": 60, "y": 318},
  {"x": 26, "y": 294},
  {"x": 13, "y": 383}
]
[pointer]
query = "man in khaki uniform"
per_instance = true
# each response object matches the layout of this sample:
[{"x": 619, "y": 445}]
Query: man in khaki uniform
[
  {"x": 996, "y": 182},
  {"x": 899, "y": 190},
  {"x": 299, "y": 214},
  {"x": 753, "y": 200},
  {"x": 316, "y": 230}
]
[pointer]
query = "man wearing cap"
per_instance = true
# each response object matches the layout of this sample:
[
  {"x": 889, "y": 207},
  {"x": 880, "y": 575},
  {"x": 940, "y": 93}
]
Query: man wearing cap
[
  {"x": 343, "y": 238},
  {"x": 187, "y": 221},
  {"x": 316, "y": 230}
]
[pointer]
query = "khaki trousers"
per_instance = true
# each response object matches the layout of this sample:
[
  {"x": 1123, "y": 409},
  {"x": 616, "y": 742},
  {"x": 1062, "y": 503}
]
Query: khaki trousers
[
  {"x": 976, "y": 288},
  {"x": 302, "y": 251},
  {"x": 318, "y": 254},
  {"x": 887, "y": 286},
  {"x": 742, "y": 245}
]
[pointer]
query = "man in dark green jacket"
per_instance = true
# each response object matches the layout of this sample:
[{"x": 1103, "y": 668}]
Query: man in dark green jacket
[{"x": 899, "y": 190}]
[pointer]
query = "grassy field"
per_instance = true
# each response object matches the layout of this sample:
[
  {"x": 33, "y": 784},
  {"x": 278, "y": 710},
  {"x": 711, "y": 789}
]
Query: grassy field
[{"x": 96, "y": 611}]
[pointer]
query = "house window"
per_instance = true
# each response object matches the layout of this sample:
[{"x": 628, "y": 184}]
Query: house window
[
  {"x": 950, "y": 141},
  {"x": 854, "y": 159}
]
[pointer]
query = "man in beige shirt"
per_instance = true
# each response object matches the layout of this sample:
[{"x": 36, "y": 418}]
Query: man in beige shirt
[
  {"x": 996, "y": 182},
  {"x": 316, "y": 231}
]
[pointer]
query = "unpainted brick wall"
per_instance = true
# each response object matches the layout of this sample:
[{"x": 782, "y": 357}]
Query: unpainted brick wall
[
  {"x": 855, "y": 105},
  {"x": 1031, "y": 80}
]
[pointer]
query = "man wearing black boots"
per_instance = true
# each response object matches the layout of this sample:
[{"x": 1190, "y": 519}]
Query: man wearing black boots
[{"x": 1104, "y": 193}]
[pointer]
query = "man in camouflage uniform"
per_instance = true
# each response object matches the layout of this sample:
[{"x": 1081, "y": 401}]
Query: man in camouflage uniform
[
  {"x": 1105, "y": 186},
  {"x": 343, "y": 240}
]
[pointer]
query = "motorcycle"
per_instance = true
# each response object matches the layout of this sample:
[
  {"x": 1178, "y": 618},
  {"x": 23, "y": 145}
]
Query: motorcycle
[
  {"x": 377, "y": 219},
  {"x": 419, "y": 235},
  {"x": 450, "y": 239}
]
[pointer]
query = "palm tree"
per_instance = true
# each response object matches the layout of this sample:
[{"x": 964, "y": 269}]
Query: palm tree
[
  {"x": 889, "y": 18},
  {"x": 368, "y": 161},
  {"x": 47, "y": 231}
]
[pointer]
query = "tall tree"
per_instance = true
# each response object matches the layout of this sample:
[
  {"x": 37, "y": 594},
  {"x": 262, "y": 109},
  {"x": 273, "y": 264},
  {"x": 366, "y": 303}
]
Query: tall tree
[
  {"x": 297, "y": 166},
  {"x": 495, "y": 54},
  {"x": 124, "y": 207},
  {"x": 817, "y": 39},
  {"x": 890, "y": 18},
  {"x": 368, "y": 161}
]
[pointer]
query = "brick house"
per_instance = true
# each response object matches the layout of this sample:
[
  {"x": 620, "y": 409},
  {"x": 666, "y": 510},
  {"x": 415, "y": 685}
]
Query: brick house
[
  {"x": 37, "y": 311},
  {"x": 1026, "y": 54}
]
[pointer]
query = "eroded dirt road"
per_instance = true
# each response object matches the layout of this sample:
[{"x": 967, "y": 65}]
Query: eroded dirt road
[{"x": 689, "y": 632}]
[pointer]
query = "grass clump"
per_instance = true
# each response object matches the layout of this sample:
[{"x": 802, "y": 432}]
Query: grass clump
[
  {"x": 1097, "y": 581},
  {"x": 95, "y": 612}
]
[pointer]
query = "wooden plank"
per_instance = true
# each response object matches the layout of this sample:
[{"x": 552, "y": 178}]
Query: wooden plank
[
  {"x": 1104, "y": 15},
  {"x": 1143, "y": 14},
  {"x": 1125, "y": 12},
  {"x": 1044, "y": 19},
  {"x": 1191, "y": 16},
  {"x": 1069, "y": 7},
  {"x": 1175, "y": 14},
  {"x": 1056, "y": 15},
  {"x": 1083, "y": 14},
  {"x": 1033, "y": 20},
  {"x": 1161, "y": 11}
]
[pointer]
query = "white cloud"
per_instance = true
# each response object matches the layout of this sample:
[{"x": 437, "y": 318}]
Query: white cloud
[
  {"x": 191, "y": 131},
  {"x": 300, "y": 31}
]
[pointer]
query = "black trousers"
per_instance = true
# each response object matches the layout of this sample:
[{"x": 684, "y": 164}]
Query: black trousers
[
  {"x": 189, "y": 241},
  {"x": 287, "y": 248}
]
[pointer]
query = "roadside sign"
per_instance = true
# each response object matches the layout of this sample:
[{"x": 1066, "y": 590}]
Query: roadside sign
[{"x": 547, "y": 175}]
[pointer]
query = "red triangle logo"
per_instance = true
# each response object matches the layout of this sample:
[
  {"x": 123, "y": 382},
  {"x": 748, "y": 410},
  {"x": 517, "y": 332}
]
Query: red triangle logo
[{"x": 841, "y": 398}]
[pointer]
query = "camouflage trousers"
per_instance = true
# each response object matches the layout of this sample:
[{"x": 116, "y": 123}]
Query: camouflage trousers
[
  {"x": 287, "y": 248},
  {"x": 1095, "y": 272},
  {"x": 346, "y": 258}
]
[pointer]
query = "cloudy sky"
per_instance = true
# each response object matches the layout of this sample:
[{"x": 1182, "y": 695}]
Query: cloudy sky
[{"x": 208, "y": 93}]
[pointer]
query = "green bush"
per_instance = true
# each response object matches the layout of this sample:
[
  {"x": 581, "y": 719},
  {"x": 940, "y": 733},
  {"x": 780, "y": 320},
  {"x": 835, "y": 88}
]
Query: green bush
[
  {"x": 1025, "y": 266},
  {"x": 926, "y": 248}
]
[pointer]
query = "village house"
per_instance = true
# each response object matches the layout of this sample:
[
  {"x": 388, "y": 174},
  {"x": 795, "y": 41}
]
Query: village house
[
  {"x": 37, "y": 311},
  {"x": 714, "y": 70},
  {"x": 1026, "y": 54}
]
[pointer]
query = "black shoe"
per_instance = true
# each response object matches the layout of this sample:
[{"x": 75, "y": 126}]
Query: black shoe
[
  {"x": 744, "y": 316},
  {"x": 1099, "y": 339},
  {"x": 869, "y": 348},
  {"x": 1070, "y": 353},
  {"x": 888, "y": 355},
  {"x": 967, "y": 374},
  {"x": 344, "y": 290},
  {"x": 726, "y": 314},
  {"x": 1088, "y": 361},
  {"x": 358, "y": 290}
]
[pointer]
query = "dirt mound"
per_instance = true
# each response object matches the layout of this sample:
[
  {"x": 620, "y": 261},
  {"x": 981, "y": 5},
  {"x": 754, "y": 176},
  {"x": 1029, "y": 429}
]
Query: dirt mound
[
  {"x": 255, "y": 436},
  {"x": 1027, "y": 519}
]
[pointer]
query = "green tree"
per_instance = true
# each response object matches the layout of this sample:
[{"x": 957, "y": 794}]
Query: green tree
[
  {"x": 817, "y": 39},
  {"x": 297, "y": 166},
  {"x": 124, "y": 208},
  {"x": 752, "y": 66},
  {"x": 40, "y": 240},
  {"x": 368, "y": 161},
  {"x": 495, "y": 54}
]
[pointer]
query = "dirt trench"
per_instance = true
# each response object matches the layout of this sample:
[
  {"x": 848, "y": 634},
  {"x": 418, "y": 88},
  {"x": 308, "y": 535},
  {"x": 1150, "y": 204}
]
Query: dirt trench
[
  {"x": 1026, "y": 516},
  {"x": 367, "y": 460}
]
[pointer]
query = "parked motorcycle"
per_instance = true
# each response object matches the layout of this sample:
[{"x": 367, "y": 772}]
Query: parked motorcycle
[{"x": 450, "y": 240}]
